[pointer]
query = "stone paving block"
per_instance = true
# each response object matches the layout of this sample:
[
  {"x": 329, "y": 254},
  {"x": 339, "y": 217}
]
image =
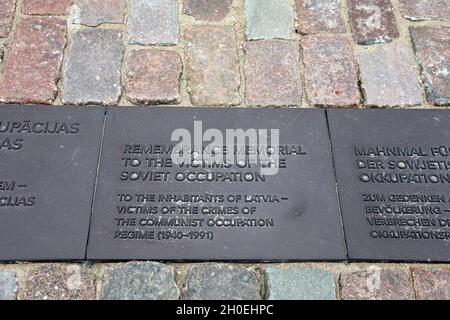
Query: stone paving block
[
  {"x": 431, "y": 46},
  {"x": 8, "y": 285},
  {"x": 152, "y": 22},
  {"x": 330, "y": 71},
  {"x": 300, "y": 284},
  {"x": 153, "y": 76},
  {"x": 417, "y": 10},
  {"x": 208, "y": 10},
  {"x": 46, "y": 7},
  {"x": 59, "y": 282},
  {"x": 221, "y": 282},
  {"x": 376, "y": 284},
  {"x": 96, "y": 12},
  {"x": 32, "y": 72},
  {"x": 372, "y": 21},
  {"x": 212, "y": 65},
  {"x": 92, "y": 68},
  {"x": 388, "y": 78},
  {"x": 139, "y": 281},
  {"x": 272, "y": 73},
  {"x": 7, "y": 9},
  {"x": 269, "y": 19},
  {"x": 315, "y": 16},
  {"x": 432, "y": 284}
]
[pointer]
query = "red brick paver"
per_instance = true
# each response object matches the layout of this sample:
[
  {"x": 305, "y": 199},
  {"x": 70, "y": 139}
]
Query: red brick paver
[
  {"x": 330, "y": 71},
  {"x": 46, "y": 7},
  {"x": 272, "y": 73},
  {"x": 212, "y": 65},
  {"x": 32, "y": 70},
  {"x": 153, "y": 76}
]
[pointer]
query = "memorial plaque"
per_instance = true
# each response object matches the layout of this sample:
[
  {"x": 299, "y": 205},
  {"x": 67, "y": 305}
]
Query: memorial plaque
[
  {"x": 393, "y": 174},
  {"x": 149, "y": 205},
  {"x": 48, "y": 162}
]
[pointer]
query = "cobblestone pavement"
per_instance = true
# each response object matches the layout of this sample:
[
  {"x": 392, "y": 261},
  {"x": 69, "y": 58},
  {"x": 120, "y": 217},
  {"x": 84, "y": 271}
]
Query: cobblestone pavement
[
  {"x": 345, "y": 53},
  {"x": 153, "y": 280},
  {"x": 308, "y": 53}
]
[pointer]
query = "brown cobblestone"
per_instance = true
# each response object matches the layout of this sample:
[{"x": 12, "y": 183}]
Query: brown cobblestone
[
  {"x": 425, "y": 9},
  {"x": 432, "y": 48},
  {"x": 212, "y": 65},
  {"x": 388, "y": 78},
  {"x": 432, "y": 284},
  {"x": 315, "y": 16},
  {"x": 153, "y": 76},
  {"x": 330, "y": 71},
  {"x": 32, "y": 70},
  {"x": 272, "y": 73},
  {"x": 209, "y": 10},
  {"x": 7, "y": 8},
  {"x": 46, "y": 7},
  {"x": 59, "y": 282},
  {"x": 376, "y": 284},
  {"x": 96, "y": 12},
  {"x": 372, "y": 21}
]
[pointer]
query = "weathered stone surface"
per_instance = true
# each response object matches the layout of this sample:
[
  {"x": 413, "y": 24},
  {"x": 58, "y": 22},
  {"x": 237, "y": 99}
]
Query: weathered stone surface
[
  {"x": 272, "y": 72},
  {"x": 152, "y": 22},
  {"x": 212, "y": 65},
  {"x": 315, "y": 16},
  {"x": 2, "y": 51},
  {"x": 96, "y": 12},
  {"x": 300, "y": 284},
  {"x": 376, "y": 284},
  {"x": 388, "y": 78},
  {"x": 209, "y": 10},
  {"x": 8, "y": 285},
  {"x": 7, "y": 8},
  {"x": 153, "y": 76},
  {"x": 59, "y": 282},
  {"x": 425, "y": 9},
  {"x": 269, "y": 19},
  {"x": 221, "y": 282},
  {"x": 330, "y": 71},
  {"x": 31, "y": 73},
  {"x": 432, "y": 284},
  {"x": 431, "y": 45},
  {"x": 92, "y": 69},
  {"x": 372, "y": 21},
  {"x": 140, "y": 281},
  {"x": 46, "y": 7}
]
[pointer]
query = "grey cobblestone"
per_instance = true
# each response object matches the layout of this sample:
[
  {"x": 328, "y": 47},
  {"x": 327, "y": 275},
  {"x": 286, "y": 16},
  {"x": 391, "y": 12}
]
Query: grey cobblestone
[
  {"x": 300, "y": 284},
  {"x": 139, "y": 281},
  {"x": 92, "y": 70},
  {"x": 8, "y": 285},
  {"x": 269, "y": 19},
  {"x": 221, "y": 282},
  {"x": 152, "y": 22}
]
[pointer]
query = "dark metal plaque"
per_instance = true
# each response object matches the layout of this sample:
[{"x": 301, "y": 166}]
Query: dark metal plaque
[
  {"x": 393, "y": 174},
  {"x": 48, "y": 162},
  {"x": 150, "y": 207}
]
